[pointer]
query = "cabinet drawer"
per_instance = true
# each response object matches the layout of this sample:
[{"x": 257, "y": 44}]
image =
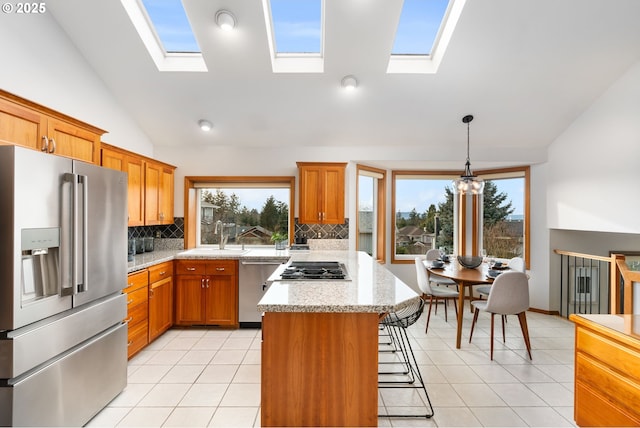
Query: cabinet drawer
[
  {"x": 593, "y": 410},
  {"x": 136, "y": 280},
  {"x": 137, "y": 314},
  {"x": 190, "y": 267},
  {"x": 222, "y": 267},
  {"x": 138, "y": 338},
  {"x": 160, "y": 272},
  {"x": 134, "y": 298},
  {"x": 620, "y": 391},
  {"x": 613, "y": 354}
]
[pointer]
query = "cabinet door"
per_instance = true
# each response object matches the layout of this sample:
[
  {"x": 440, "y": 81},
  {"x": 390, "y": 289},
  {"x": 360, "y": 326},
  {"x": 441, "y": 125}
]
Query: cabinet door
[
  {"x": 189, "y": 299},
  {"x": 21, "y": 126},
  {"x": 160, "y": 307},
  {"x": 309, "y": 206},
  {"x": 166, "y": 196},
  {"x": 222, "y": 293},
  {"x": 152, "y": 176},
  {"x": 73, "y": 142},
  {"x": 112, "y": 159},
  {"x": 333, "y": 195},
  {"x": 134, "y": 166}
]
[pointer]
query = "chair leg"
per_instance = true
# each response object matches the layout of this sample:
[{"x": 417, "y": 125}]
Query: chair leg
[
  {"x": 429, "y": 313},
  {"x": 473, "y": 323},
  {"x": 492, "y": 317},
  {"x": 522, "y": 317},
  {"x": 445, "y": 310},
  {"x": 504, "y": 340}
]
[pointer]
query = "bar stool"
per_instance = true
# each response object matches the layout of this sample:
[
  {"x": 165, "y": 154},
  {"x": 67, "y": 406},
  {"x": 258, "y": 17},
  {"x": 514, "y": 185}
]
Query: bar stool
[{"x": 408, "y": 375}]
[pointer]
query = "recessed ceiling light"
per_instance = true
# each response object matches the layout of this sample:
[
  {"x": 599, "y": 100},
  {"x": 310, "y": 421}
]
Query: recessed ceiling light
[
  {"x": 225, "y": 20},
  {"x": 349, "y": 83},
  {"x": 205, "y": 125}
]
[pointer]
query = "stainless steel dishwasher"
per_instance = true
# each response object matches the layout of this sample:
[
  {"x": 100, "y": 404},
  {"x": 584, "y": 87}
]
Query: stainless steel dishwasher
[{"x": 252, "y": 278}]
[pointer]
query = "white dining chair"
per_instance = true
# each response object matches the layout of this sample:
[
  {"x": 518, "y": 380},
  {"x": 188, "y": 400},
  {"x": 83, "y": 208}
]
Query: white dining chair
[
  {"x": 509, "y": 295},
  {"x": 516, "y": 264},
  {"x": 434, "y": 254},
  {"x": 433, "y": 293}
]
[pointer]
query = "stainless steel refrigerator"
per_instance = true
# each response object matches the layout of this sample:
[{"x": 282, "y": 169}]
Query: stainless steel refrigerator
[{"x": 63, "y": 265}]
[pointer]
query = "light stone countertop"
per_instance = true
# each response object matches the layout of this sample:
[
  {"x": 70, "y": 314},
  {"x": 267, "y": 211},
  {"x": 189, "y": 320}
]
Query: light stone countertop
[
  {"x": 145, "y": 260},
  {"x": 372, "y": 288}
]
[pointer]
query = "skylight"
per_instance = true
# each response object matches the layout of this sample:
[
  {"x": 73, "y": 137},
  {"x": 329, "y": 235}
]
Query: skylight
[
  {"x": 420, "y": 22},
  {"x": 423, "y": 34},
  {"x": 295, "y": 31},
  {"x": 297, "y": 26},
  {"x": 171, "y": 25}
]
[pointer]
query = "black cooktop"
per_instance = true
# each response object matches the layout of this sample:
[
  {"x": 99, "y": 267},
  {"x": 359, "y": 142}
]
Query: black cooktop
[{"x": 323, "y": 270}]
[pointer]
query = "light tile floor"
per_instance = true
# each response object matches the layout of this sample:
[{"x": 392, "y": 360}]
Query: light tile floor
[{"x": 208, "y": 377}]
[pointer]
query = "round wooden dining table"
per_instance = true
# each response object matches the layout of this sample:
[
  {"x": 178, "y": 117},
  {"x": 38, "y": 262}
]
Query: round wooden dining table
[{"x": 465, "y": 278}]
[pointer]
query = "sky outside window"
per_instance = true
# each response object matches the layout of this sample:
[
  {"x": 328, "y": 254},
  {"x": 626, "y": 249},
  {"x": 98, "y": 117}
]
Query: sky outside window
[
  {"x": 419, "y": 23},
  {"x": 297, "y": 25},
  {"x": 171, "y": 25}
]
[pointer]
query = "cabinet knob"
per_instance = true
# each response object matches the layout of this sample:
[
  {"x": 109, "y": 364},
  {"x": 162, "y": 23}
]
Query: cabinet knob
[
  {"x": 162, "y": 273},
  {"x": 191, "y": 268},
  {"x": 207, "y": 282},
  {"x": 220, "y": 269},
  {"x": 45, "y": 144},
  {"x": 53, "y": 146},
  {"x": 128, "y": 320}
]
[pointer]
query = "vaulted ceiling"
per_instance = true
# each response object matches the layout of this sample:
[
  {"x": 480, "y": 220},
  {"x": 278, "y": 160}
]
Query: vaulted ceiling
[{"x": 524, "y": 68}]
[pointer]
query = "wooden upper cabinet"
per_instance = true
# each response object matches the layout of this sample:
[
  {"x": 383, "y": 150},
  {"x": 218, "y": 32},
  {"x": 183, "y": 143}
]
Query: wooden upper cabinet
[
  {"x": 30, "y": 125},
  {"x": 20, "y": 125},
  {"x": 150, "y": 185},
  {"x": 321, "y": 193},
  {"x": 158, "y": 193}
]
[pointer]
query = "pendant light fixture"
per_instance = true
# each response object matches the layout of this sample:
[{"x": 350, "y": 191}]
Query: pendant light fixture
[{"x": 468, "y": 183}]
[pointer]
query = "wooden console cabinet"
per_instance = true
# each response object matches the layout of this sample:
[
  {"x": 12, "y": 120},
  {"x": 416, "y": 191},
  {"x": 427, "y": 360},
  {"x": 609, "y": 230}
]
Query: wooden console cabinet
[
  {"x": 321, "y": 193},
  {"x": 207, "y": 292},
  {"x": 607, "y": 370}
]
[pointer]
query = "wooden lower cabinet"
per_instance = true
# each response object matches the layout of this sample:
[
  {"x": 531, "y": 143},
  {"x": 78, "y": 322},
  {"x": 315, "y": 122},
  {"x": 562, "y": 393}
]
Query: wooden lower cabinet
[
  {"x": 319, "y": 369},
  {"x": 207, "y": 292},
  {"x": 160, "y": 299},
  {"x": 137, "y": 292},
  {"x": 607, "y": 371}
]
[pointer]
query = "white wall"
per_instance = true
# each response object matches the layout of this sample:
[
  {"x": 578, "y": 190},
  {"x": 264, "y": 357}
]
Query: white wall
[
  {"x": 593, "y": 181},
  {"x": 40, "y": 63}
]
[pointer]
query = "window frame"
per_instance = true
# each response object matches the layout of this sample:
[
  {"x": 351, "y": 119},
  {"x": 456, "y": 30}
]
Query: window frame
[
  {"x": 446, "y": 175},
  {"x": 486, "y": 174},
  {"x": 192, "y": 183},
  {"x": 379, "y": 209}
]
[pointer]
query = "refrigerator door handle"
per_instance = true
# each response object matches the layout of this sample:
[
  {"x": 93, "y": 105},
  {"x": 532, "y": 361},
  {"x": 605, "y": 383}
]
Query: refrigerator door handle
[
  {"x": 83, "y": 286},
  {"x": 68, "y": 285}
]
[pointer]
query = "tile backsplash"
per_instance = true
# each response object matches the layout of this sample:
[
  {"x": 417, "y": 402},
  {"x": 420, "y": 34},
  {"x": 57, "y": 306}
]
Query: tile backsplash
[
  {"x": 322, "y": 231},
  {"x": 167, "y": 231},
  {"x": 171, "y": 236}
]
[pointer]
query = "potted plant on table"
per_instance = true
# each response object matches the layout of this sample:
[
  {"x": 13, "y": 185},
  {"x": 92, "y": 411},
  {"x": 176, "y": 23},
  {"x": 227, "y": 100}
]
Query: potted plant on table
[{"x": 280, "y": 239}]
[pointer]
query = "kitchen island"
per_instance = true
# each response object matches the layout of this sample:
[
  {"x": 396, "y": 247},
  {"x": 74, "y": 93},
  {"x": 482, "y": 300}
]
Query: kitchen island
[{"x": 320, "y": 343}]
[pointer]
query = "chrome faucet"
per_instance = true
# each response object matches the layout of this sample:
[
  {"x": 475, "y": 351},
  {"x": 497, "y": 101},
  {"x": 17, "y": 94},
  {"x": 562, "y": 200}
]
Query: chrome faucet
[{"x": 223, "y": 239}]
